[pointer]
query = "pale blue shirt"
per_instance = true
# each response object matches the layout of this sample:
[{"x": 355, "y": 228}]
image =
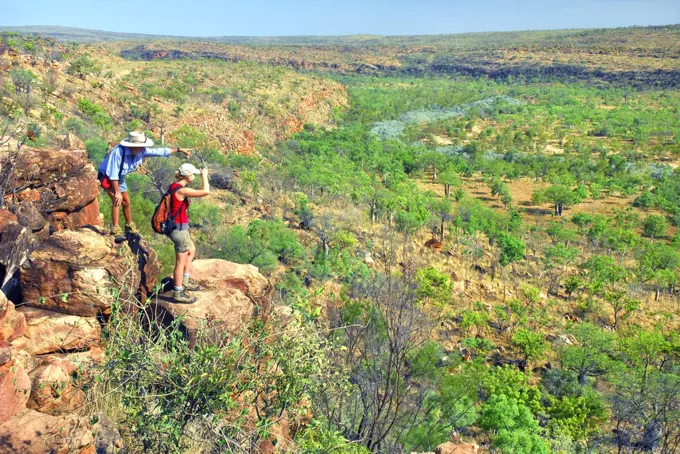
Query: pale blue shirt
[{"x": 110, "y": 166}]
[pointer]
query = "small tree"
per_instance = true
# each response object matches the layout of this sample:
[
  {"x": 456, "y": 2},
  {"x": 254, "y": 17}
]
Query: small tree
[
  {"x": 556, "y": 260},
  {"x": 559, "y": 195},
  {"x": 514, "y": 428},
  {"x": 512, "y": 249},
  {"x": 654, "y": 226},
  {"x": 23, "y": 81},
  {"x": 82, "y": 66},
  {"x": 591, "y": 356},
  {"x": 530, "y": 343},
  {"x": 448, "y": 177},
  {"x": 442, "y": 209}
]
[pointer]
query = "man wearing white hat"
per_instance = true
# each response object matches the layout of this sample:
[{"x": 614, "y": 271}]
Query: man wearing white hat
[{"x": 123, "y": 159}]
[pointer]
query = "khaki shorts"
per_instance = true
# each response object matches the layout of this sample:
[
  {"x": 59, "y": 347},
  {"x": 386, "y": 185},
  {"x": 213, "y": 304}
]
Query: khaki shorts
[{"x": 182, "y": 240}]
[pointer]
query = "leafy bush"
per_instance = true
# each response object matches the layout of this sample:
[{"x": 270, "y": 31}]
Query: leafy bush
[
  {"x": 83, "y": 66},
  {"x": 645, "y": 200},
  {"x": 76, "y": 126},
  {"x": 655, "y": 226},
  {"x": 168, "y": 391},
  {"x": 577, "y": 416},
  {"x": 96, "y": 149},
  {"x": 434, "y": 284},
  {"x": 515, "y": 429},
  {"x": 22, "y": 79},
  {"x": 96, "y": 113},
  {"x": 262, "y": 243}
]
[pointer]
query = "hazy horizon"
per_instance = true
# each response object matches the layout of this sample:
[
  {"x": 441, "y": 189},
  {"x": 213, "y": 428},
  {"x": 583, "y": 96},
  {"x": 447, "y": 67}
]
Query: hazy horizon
[{"x": 273, "y": 18}]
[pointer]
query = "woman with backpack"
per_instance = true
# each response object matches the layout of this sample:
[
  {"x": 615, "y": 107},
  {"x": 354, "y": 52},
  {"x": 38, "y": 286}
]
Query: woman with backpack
[
  {"x": 184, "y": 247},
  {"x": 123, "y": 159}
]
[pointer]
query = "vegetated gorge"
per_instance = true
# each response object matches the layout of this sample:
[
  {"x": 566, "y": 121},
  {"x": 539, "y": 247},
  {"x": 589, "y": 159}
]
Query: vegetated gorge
[{"x": 450, "y": 244}]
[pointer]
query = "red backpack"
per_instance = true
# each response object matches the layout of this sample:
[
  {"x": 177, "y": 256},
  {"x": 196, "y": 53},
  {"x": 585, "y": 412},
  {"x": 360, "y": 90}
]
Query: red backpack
[{"x": 163, "y": 221}]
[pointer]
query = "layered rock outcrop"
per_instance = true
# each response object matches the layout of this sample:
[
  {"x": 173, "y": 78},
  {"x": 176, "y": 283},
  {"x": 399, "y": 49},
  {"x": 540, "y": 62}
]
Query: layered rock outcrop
[
  {"x": 80, "y": 273},
  {"x": 47, "y": 190},
  {"x": 228, "y": 299},
  {"x": 62, "y": 273},
  {"x": 66, "y": 275},
  {"x": 61, "y": 184}
]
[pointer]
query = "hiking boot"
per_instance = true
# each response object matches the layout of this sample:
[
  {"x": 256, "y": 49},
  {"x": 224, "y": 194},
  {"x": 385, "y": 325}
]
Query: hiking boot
[
  {"x": 191, "y": 286},
  {"x": 115, "y": 231},
  {"x": 131, "y": 228},
  {"x": 181, "y": 296},
  {"x": 117, "y": 234}
]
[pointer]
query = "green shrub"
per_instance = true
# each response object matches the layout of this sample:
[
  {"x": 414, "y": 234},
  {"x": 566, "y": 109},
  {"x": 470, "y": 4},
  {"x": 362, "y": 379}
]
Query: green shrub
[
  {"x": 76, "y": 126},
  {"x": 655, "y": 226},
  {"x": 262, "y": 243},
  {"x": 645, "y": 200},
  {"x": 83, "y": 66},
  {"x": 515, "y": 429},
  {"x": 96, "y": 149},
  {"x": 96, "y": 113},
  {"x": 168, "y": 390}
]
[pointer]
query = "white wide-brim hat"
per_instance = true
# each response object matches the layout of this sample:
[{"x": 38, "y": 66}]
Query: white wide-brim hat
[{"x": 136, "y": 139}]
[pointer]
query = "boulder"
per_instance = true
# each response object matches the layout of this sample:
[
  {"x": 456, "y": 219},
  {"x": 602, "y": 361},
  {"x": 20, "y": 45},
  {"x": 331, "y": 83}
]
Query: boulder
[
  {"x": 49, "y": 332},
  {"x": 15, "y": 388},
  {"x": 226, "y": 303},
  {"x": 457, "y": 448},
  {"x": 16, "y": 244},
  {"x": 5, "y": 353},
  {"x": 221, "y": 274},
  {"x": 29, "y": 216},
  {"x": 12, "y": 323},
  {"x": 55, "y": 386},
  {"x": 433, "y": 243},
  {"x": 61, "y": 184},
  {"x": 31, "y": 432},
  {"x": 6, "y": 218},
  {"x": 107, "y": 438},
  {"x": 79, "y": 273},
  {"x": 70, "y": 142},
  {"x": 279, "y": 437},
  {"x": 221, "y": 311}
]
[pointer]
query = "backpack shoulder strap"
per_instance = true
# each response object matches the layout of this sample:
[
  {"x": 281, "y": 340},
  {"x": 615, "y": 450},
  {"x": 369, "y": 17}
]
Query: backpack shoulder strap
[{"x": 122, "y": 159}]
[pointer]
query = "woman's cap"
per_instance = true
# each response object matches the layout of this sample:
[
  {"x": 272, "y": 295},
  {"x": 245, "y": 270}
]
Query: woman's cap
[
  {"x": 188, "y": 169},
  {"x": 136, "y": 139}
]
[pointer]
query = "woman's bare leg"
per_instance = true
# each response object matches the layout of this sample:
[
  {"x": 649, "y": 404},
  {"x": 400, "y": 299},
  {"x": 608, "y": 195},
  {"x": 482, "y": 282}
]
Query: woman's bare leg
[{"x": 180, "y": 263}]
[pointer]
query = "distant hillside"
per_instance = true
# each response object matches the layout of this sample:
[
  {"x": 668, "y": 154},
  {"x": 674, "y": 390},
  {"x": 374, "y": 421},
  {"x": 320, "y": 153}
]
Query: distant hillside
[
  {"x": 643, "y": 37},
  {"x": 81, "y": 35}
]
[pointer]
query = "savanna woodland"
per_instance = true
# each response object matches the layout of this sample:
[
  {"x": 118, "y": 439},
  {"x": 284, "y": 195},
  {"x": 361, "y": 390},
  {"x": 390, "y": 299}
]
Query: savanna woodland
[{"x": 467, "y": 238}]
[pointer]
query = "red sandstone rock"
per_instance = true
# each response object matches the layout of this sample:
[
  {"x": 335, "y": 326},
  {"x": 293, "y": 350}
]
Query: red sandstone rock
[
  {"x": 16, "y": 244},
  {"x": 434, "y": 244},
  {"x": 30, "y": 432},
  {"x": 7, "y": 217},
  {"x": 12, "y": 323},
  {"x": 55, "y": 389},
  {"x": 453, "y": 448},
  {"x": 50, "y": 332},
  {"x": 221, "y": 311},
  {"x": 5, "y": 353},
  {"x": 78, "y": 272},
  {"x": 70, "y": 142},
  {"x": 226, "y": 302},
  {"x": 14, "y": 391},
  {"x": 216, "y": 273},
  {"x": 148, "y": 265},
  {"x": 61, "y": 184}
]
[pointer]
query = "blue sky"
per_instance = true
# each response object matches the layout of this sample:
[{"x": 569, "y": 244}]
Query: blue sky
[{"x": 335, "y": 17}]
